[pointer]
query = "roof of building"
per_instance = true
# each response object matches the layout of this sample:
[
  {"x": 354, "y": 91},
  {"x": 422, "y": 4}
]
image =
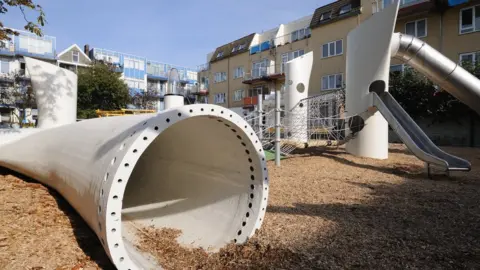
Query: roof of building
[
  {"x": 238, "y": 46},
  {"x": 331, "y": 13},
  {"x": 71, "y": 47}
]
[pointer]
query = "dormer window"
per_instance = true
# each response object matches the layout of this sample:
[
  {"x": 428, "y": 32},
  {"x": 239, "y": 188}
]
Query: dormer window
[
  {"x": 220, "y": 54},
  {"x": 325, "y": 16},
  {"x": 239, "y": 47},
  {"x": 345, "y": 9}
]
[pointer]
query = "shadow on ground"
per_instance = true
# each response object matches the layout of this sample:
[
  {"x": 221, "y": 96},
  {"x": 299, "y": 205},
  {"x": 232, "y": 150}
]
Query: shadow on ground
[
  {"x": 418, "y": 224},
  {"x": 85, "y": 237},
  {"x": 399, "y": 169}
]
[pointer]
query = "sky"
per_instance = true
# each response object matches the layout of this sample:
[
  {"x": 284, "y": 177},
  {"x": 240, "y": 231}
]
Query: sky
[{"x": 179, "y": 32}]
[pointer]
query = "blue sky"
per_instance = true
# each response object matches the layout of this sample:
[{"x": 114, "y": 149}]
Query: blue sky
[{"x": 178, "y": 32}]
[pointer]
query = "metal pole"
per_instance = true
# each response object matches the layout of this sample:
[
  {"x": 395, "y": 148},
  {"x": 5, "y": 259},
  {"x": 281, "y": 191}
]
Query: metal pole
[
  {"x": 260, "y": 116},
  {"x": 277, "y": 128}
]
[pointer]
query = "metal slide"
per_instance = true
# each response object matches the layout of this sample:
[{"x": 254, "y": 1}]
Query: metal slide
[
  {"x": 413, "y": 136},
  {"x": 449, "y": 75},
  {"x": 444, "y": 72}
]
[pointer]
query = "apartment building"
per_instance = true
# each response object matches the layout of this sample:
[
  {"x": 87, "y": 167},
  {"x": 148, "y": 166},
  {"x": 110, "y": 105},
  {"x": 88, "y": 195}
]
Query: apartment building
[
  {"x": 141, "y": 73},
  {"x": 237, "y": 72},
  {"x": 25, "y": 44},
  {"x": 13, "y": 71},
  {"x": 452, "y": 27}
]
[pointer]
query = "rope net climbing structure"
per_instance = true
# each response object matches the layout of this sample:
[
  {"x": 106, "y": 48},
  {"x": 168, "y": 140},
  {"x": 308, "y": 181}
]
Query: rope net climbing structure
[{"x": 318, "y": 121}]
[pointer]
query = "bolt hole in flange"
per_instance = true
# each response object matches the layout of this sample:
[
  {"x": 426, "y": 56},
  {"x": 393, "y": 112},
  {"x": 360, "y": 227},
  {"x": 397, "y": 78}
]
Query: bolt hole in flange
[{"x": 179, "y": 183}]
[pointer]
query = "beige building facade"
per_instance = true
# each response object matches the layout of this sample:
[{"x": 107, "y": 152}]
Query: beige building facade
[{"x": 237, "y": 72}]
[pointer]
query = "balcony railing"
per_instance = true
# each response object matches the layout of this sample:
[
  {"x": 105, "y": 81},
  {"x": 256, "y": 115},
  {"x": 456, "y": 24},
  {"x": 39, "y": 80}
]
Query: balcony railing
[
  {"x": 403, "y": 3},
  {"x": 263, "y": 72},
  {"x": 203, "y": 67},
  {"x": 250, "y": 101},
  {"x": 296, "y": 35},
  {"x": 201, "y": 89}
]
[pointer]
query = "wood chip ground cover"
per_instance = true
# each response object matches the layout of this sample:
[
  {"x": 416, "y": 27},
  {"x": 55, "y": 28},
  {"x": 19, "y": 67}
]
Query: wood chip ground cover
[{"x": 326, "y": 210}]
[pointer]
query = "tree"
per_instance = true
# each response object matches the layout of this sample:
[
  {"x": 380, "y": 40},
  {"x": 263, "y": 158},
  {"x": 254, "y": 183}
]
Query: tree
[
  {"x": 17, "y": 93},
  {"x": 146, "y": 99},
  {"x": 423, "y": 99},
  {"x": 100, "y": 87},
  {"x": 30, "y": 26}
]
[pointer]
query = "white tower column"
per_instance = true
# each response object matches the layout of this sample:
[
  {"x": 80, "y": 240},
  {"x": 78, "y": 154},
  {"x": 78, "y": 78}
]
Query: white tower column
[
  {"x": 368, "y": 60},
  {"x": 297, "y": 80}
]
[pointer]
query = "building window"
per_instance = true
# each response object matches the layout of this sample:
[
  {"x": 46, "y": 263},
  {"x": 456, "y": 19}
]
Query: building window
[
  {"x": 472, "y": 57},
  {"x": 325, "y": 16},
  {"x": 4, "y": 67},
  {"x": 204, "y": 83},
  {"x": 333, "y": 48},
  {"x": 334, "y": 81},
  {"x": 75, "y": 57},
  {"x": 300, "y": 34},
  {"x": 220, "y": 77},
  {"x": 134, "y": 63},
  {"x": 238, "y": 72},
  {"x": 220, "y": 54},
  {"x": 219, "y": 98},
  {"x": 290, "y": 56},
  {"x": 238, "y": 95},
  {"x": 470, "y": 19},
  {"x": 345, "y": 9},
  {"x": 416, "y": 28},
  {"x": 259, "y": 68},
  {"x": 396, "y": 68},
  {"x": 236, "y": 48}
]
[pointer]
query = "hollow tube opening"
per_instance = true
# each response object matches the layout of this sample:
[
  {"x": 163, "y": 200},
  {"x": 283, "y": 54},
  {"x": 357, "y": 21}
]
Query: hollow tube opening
[{"x": 203, "y": 176}]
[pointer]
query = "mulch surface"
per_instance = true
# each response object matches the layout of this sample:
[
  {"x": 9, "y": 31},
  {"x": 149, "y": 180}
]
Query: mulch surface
[{"x": 327, "y": 210}]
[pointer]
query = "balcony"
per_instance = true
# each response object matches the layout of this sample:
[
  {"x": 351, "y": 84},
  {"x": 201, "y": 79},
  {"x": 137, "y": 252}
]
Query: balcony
[
  {"x": 250, "y": 101},
  {"x": 197, "y": 90},
  {"x": 407, "y": 3},
  {"x": 409, "y": 7},
  {"x": 260, "y": 47},
  {"x": 203, "y": 67},
  {"x": 160, "y": 75},
  {"x": 296, "y": 35},
  {"x": 264, "y": 74}
]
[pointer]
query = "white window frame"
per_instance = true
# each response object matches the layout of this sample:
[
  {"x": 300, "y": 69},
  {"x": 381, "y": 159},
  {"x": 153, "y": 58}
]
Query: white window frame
[
  {"x": 220, "y": 77},
  {"x": 260, "y": 68},
  {"x": 349, "y": 5},
  {"x": 335, "y": 49},
  {"x": 474, "y": 57},
  {"x": 300, "y": 34},
  {"x": 475, "y": 28},
  {"x": 239, "y": 72},
  {"x": 8, "y": 68},
  {"x": 329, "y": 16},
  {"x": 77, "y": 54},
  {"x": 329, "y": 87},
  {"x": 288, "y": 56},
  {"x": 219, "y": 98},
  {"x": 238, "y": 97},
  {"x": 416, "y": 27}
]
